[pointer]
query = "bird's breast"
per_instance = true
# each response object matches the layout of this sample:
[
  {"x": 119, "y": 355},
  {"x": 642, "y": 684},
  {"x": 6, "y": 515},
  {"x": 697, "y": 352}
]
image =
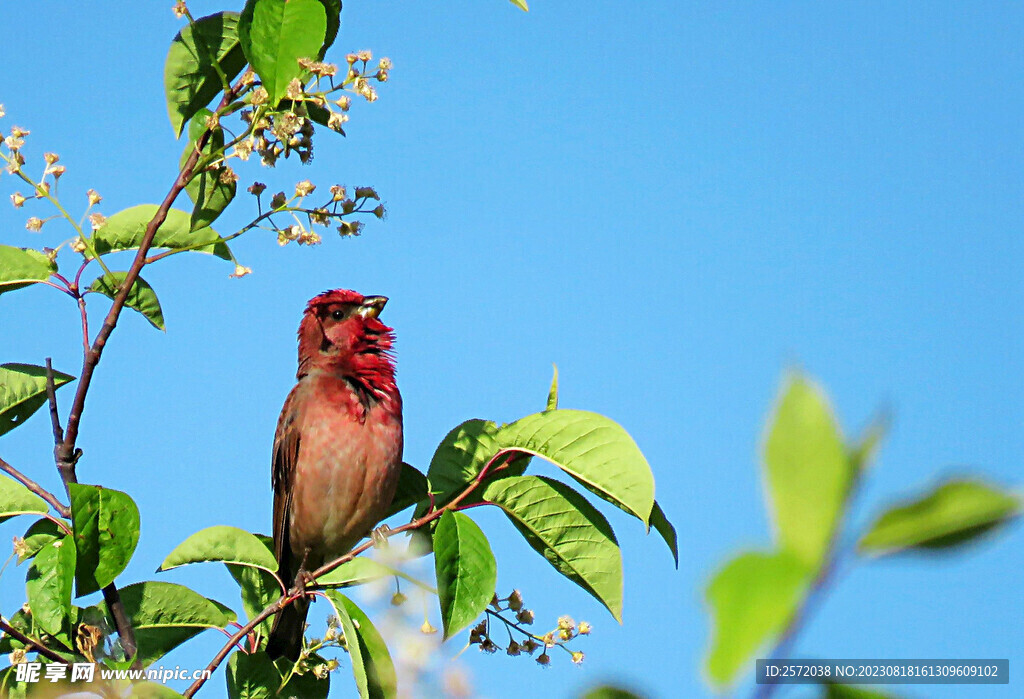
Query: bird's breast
[{"x": 350, "y": 455}]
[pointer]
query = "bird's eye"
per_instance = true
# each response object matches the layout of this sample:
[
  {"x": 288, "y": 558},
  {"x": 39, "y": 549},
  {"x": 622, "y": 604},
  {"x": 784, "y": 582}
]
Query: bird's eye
[{"x": 338, "y": 314}]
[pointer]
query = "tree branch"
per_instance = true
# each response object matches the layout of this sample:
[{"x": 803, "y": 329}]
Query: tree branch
[
  {"x": 297, "y": 592},
  {"x": 39, "y": 490},
  {"x": 65, "y": 451},
  {"x": 29, "y": 641}
]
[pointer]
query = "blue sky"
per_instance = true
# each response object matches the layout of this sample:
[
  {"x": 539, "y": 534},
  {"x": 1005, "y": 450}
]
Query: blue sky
[{"x": 672, "y": 201}]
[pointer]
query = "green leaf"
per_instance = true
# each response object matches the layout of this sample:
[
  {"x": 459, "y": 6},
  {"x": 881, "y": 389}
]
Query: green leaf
[
  {"x": 23, "y": 391},
  {"x": 460, "y": 456},
  {"x": 521, "y": 4},
  {"x": 42, "y": 532},
  {"x": 466, "y": 571},
  {"x": 258, "y": 589},
  {"x": 275, "y": 34},
  {"x": 190, "y": 79},
  {"x": 141, "y": 298},
  {"x": 20, "y": 621},
  {"x": 16, "y": 499},
  {"x": 165, "y": 615},
  {"x": 553, "y": 391},
  {"x": 206, "y": 190},
  {"x": 125, "y": 230},
  {"x": 953, "y": 513},
  {"x": 106, "y": 527},
  {"x": 751, "y": 598},
  {"x": 49, "y": 584},
  {"x": 807, "y": 470},
  {"x": 359, "y": 571},
  {"x": 224, "y": 544},
  {"x": 661, "y": 524},
  {"x": 567, "y": 530},
  {"x": 333, "y": 10},
  {"x": 591, "y": 448},
  {"x": 412, "y": 488},
  {"x": 23, "y": 266},
  {"x": 252, "y": 676},
  {"x": 371, "y": 662}
]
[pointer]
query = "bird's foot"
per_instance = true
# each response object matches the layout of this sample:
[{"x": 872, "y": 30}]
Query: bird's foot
[
  {"x": 303, "y": 580},
  {"x": 379, "y": 536}
]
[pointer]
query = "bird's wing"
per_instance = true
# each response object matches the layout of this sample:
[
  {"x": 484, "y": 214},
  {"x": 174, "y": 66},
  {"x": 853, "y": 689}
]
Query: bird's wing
[{"x": 286, "y": 456}]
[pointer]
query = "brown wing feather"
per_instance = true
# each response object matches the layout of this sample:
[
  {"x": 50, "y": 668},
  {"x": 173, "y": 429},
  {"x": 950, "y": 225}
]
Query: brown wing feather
[{"x": 286, "y": 456}]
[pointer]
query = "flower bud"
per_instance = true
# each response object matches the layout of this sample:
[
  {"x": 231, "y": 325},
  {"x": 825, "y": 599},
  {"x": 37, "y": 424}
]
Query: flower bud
[
  {"x": 338, "y": 192},
  {"x": 278, "y": 201},
  {"x": 94, "y": 197},
  {"x": 257, "y": 188},
  {"x": 241, "y": 271},
  {"x": 577, "y": 657},
  {"x": 366, "y": 193},
  {"x": 97, "y": 221},
  {"x": 18, "y": 199},
  {"x": 398, "y": 599},
  {"x": 524, "y": 616},
  {"x": 304, "y": 188},
  {"x": 427, "y": 628},
  {"x": 544, "y": 659},
  {"x": 585, "y": 628}
]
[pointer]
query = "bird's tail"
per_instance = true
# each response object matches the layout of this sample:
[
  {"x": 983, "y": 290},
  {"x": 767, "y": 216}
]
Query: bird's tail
[{"x": 286, "y": 634}]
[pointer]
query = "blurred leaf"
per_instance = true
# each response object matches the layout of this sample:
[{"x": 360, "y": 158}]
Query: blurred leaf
[
  {"x": 221, "y": 543},
  {"x": 152, "y": 690},
  {"x": 371, "y": 662},
  {"x": 165, "y": 615},
  {"x": 275, "y": 34},
  {"x": 49, "y": 583},
  {"x": 125, "y": 230},
  {"x": 591, "y": 448},
  {"x": 42, "y": 532},
  {"x": 207, "y": 191},
  {"x": 609, "y": 692},
  {"x": 466, "y": 571},
  {"x": 862, "y": 454},
  {"x": 20, "y": 267},
  {"x": 361, "y": 570},
  {"x": 553, "y": 391},
  {"x": 849, "y": 691},
  {"x": 252, "y": 676},
  {"x": 807, "y": 470},
  {"x": 106, "y": 526},
  {"x": 661, "y": 524},
  {"x": 16, "y": 499},
  {"x": 751, "y": 598},
  {"x": 953, "y": 513},
  {"x": 412, "y": 488},
  {"x": 521, "y": 4},
  {"x": 190, "y": 79},
  {"x": 141, "y": 298},
  {"x": 23, "y": 391},
  {"x": 567, "y": 530}
]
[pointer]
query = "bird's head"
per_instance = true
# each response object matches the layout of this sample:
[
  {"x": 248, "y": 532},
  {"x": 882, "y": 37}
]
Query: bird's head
[{"x": 340, "y": 331}]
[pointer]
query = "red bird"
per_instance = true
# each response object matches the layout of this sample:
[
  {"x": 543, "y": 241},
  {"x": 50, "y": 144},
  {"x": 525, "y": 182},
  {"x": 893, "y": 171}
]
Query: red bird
[{"x": 338, "y": 446}]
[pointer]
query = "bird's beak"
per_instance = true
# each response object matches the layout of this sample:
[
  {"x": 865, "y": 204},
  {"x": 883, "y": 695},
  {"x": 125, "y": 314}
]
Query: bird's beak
[{"x": 372, "y": 306}]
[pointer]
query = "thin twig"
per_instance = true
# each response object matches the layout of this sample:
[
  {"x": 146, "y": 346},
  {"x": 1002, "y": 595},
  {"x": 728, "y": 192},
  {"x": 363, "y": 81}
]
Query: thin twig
[
  {"x": 29, "y": 641},
  {"x": 39, "y": 490}
]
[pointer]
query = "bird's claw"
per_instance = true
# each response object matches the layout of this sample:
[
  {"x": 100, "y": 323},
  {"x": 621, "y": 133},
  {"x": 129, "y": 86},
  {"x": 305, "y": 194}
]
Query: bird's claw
[
  {"x": 304, "y": 579},
  {"x": 379, "y": 536}
]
